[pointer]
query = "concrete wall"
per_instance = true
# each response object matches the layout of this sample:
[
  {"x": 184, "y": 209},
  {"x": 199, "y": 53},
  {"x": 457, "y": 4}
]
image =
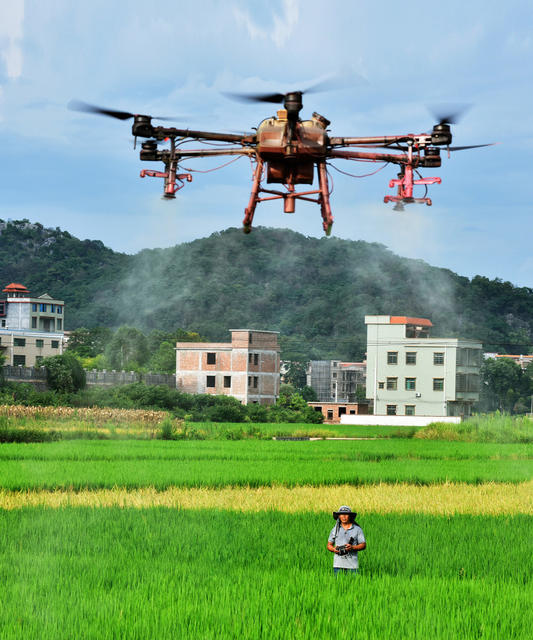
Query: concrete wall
[
  {"x": 37, "y": 376},
  {"x": 397, "y": 421}
]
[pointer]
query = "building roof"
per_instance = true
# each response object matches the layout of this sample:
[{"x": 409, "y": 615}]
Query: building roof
[
  {"x": 15, "y": 287},
  {"x": 423, "y": 322}
]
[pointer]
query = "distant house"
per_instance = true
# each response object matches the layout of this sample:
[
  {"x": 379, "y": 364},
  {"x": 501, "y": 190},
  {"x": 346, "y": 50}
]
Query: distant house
[
  {"x": 246, "y": 368},
  {"x": 336, "y": 381},
  {"x": 31, "y": 328},
  {"x": 410, "y": 373},
  {"x": 521, "y": 360}
]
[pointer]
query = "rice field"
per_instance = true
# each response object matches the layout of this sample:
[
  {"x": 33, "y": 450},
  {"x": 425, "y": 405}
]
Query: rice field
[
  {"x": 165, "y": 573},
  {"x": 226, "y": 539},
  {"x": 99, "y": 465}
]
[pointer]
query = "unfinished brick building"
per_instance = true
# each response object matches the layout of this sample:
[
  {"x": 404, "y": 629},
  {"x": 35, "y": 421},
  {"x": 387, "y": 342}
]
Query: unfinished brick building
[{"x": 246, "y": 368}]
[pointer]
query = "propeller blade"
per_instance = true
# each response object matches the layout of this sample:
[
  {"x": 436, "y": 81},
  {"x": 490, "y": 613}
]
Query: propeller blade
[
  {"x": 473, "y": 146},
  {"x": 449, "y": 113},
  {"x": 276, "y": 98},
  {"x": 77, "y": 105}
]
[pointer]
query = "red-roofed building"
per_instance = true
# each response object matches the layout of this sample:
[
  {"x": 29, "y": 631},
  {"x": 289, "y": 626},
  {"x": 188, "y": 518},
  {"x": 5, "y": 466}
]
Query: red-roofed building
[
  {"x": 410, "y": 373},
  {"x": 31, "y": 328}
]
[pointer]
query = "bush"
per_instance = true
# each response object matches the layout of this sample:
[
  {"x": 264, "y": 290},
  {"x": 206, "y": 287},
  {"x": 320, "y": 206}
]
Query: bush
[{"x": 64, "y": 373}]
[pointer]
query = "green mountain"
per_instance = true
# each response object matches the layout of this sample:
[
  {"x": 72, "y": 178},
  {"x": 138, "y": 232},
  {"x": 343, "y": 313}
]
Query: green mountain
[{"x": 316, "y": 292}]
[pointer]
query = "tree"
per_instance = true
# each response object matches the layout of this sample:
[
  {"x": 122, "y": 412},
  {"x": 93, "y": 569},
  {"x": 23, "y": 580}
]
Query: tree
[
  {"x": 503, "y": 383},
  {"x": 89, "y": 343},
  {"x": 64, "y": 373},
  {"x": 127, "y": 349},
  {"x": 164, "y": 359}
]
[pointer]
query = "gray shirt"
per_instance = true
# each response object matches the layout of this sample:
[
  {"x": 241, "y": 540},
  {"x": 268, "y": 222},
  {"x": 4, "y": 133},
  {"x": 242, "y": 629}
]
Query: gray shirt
[{"x": 349, "y": 561}]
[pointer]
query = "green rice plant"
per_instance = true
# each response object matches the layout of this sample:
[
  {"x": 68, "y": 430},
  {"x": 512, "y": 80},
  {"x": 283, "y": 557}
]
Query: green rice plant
[{"x": 162, "y": 573}]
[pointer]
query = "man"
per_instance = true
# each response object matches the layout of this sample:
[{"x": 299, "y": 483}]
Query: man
[{"x": 345, "y": 540}]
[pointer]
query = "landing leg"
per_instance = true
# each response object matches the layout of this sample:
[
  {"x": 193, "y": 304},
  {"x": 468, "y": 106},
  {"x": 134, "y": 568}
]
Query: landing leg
[
  {"x": 325, "y": 208},
  {"x": 250, "y": 209}
]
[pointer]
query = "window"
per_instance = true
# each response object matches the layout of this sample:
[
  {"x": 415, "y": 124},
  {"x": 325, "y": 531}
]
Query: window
[
  {"x": 39, "y": 344},
  {"x": 410, "y": 384},
  {"x": 256, "y": 358},
  {"x": 438, "y": 384},
  {"x": 55, "y": 344},
  {"x": 59, "y": 324},
  {"x": 250, "y": 355},
  {"x": 381, "y": 385},
  {"x": 410, "y": 357},
  {"x": 59, "y": 309},
  {"x": 53, "y": 308},
  {"x": 3, "y": 323},
  {"x": 19, "y": 361},
  {"x": 256, "y": 380},
  {"x": 391, "y": 409},
  {"x": 334, "y": 374},
  {"x": 227, "y": 382},
  {"x": 211, "y": 359},
  {"x": 34, "y": 306},
  {"x": 19, "y": 342},
  {"x": 409, "y": 409},
  {"x": 210, "y": 381},
  {"x": 438, "y": 357},
  {"x": 342, "y": 411},
  {"x": 392, "y": 384},
  {"x": 330, "y": 414},
  {"x": 42, "y": 307},
  {"x": 34, "y": 323},
  {"x": 392, "y": 357}
]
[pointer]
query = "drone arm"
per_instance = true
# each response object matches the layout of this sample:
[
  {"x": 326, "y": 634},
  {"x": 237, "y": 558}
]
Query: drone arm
[
  {"x": 201, "y": 153},
  {"x": 372, "y": 157},
  {"x": 160, "y": 133},
  {"x": 383, "y": 140}
]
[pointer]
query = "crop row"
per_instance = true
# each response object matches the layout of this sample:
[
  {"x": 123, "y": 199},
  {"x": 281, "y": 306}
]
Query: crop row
[
  {"x": 161, "y": 474},
  {"x": 207, "y": 574},
  {"x": 84, "y": 414},
  {"x": 437, "y": 499},
  {"x": 262, "y": 452}
]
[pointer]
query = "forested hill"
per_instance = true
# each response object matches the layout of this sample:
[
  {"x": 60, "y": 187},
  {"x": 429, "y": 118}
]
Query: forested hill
[{"x": 316, "y": 292}]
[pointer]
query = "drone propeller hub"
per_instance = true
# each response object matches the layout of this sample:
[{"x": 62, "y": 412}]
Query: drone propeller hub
[
  {"x": 441, "y": 134},
  {"x": 142, "y": 126}
]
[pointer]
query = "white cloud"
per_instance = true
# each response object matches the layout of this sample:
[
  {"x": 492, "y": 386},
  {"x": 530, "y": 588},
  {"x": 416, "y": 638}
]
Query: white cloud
[
  {"x": 282, "y": 28},
  {"x": 11, "y": 31}
]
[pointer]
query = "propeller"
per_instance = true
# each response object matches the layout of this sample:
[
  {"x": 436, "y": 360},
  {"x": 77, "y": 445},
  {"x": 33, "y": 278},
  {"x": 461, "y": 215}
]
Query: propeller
[
  {"x": 473, "y": 146},
  {"x": 328, "y": 84},
  {"x": 78, "y": 105},
  {"x": 449, "y": 113}
]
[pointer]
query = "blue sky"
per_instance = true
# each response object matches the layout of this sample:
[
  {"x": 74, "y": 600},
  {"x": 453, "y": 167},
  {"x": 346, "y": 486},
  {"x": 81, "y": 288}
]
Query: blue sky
[{"x": 80, "y": 173}]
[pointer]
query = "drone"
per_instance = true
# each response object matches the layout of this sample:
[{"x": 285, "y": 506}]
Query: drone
[{"x": 285, "y": 150}]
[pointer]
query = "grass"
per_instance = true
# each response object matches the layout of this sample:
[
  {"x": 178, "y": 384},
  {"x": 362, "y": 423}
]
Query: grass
[
  {"x": 164, "y": 573},
  {"x": 494, "y": 427}
]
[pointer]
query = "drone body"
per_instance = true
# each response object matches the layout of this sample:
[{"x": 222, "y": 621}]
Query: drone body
[{"x": 286, "y": 150}]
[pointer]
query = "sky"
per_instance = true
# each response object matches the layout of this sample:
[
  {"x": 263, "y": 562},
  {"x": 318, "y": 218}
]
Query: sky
[{"x": 79, "y": 172}]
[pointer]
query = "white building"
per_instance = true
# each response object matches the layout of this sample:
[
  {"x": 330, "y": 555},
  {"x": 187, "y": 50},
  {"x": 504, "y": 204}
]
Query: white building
[
  {"x": 31, "y": 328},
  {"x": 411, "y": 374}
]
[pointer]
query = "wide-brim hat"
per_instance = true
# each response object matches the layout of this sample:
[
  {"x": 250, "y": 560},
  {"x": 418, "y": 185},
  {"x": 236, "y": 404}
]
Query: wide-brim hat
[{"x": 344, "y": 510}]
